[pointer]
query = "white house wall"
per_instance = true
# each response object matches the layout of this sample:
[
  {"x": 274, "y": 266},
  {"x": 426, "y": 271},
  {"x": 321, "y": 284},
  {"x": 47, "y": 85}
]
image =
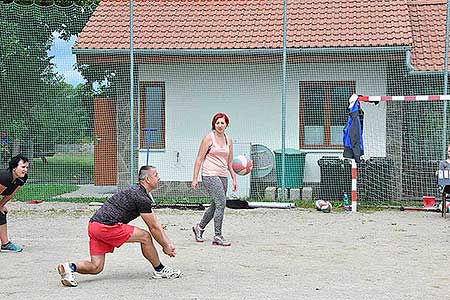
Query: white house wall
[{"x": 251, "y": 96}]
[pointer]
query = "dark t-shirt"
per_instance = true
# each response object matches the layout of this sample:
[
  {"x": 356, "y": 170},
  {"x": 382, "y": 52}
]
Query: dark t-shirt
[
  {"x": 124, "y": 206},
  {"x": 444, "y": 165},
  {"x": 6, "y": 179}
]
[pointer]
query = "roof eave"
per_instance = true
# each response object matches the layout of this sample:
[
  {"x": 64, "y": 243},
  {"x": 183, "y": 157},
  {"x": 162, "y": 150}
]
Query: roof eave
[{"x": 258, "y": 51}]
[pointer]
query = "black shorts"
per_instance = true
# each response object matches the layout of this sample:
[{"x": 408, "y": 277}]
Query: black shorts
[
  {"x": 447, "y": 189},
  {"x": 2, "y": 218}
]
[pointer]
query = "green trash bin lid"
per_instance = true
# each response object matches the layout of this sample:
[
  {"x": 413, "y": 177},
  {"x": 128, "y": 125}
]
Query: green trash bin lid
[{"x": 289, "y": 151}]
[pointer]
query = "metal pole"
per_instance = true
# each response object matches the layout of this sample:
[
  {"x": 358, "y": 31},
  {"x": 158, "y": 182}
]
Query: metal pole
[
  {"x": 444, "y": 134},
  {"x": 283, "y": 106},
  {"x": 147, "y": 132},
  {"x": 148, "y": 147},
  {"x": 131, "y": 94}
]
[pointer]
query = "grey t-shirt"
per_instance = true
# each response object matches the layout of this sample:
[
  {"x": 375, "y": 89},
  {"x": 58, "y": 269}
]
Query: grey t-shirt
[{"x": 124, "y": 206}]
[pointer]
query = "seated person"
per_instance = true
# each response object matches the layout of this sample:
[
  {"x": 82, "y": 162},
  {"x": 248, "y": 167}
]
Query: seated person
[
  {"x": 445, "y": 165},
  {"x": 444, "y": 180}
]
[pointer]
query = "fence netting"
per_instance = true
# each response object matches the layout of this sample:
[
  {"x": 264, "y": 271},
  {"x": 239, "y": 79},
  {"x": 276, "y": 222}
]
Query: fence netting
[{"x": 70, "y": 105}]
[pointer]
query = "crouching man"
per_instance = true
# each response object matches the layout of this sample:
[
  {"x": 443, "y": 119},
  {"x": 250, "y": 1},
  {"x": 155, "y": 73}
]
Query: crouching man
[{"x": 108, "y": 229}]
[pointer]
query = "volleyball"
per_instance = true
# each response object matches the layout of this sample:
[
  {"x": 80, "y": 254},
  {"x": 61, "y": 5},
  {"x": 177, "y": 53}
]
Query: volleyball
[
  {"x": 324, "y": 206},
  {"x": 241, "y": 165}
]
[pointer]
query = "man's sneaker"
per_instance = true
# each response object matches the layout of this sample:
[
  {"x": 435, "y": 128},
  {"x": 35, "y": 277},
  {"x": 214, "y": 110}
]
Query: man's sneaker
[
  {"x": 11, "y": 247},
  {"x": 198, "y": 233},
  {"x": 166, "y": 272},
  {"x": 220, "y": 241},
  {"x": 67, "y": 277}
]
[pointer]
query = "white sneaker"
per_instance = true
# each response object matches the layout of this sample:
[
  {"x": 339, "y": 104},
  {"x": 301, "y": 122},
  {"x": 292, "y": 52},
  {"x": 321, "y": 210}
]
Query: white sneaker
[
  {"x": 166, "y": 272},
  {"x": 220, "y": 241},
  {"x": 67, "y": 277},
  {"x": 198, "y": 233}
]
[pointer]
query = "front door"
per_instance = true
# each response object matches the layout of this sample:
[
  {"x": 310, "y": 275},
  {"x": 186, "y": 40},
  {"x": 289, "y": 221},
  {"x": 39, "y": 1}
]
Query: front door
[{"x": 105, "y": 142}]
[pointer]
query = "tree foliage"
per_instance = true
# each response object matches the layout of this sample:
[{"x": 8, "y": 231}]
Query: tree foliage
[{"x": 37, "y": 104}]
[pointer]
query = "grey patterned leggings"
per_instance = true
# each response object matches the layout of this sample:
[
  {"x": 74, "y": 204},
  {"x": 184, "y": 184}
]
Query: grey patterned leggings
[{"x": 217, "y": 190}]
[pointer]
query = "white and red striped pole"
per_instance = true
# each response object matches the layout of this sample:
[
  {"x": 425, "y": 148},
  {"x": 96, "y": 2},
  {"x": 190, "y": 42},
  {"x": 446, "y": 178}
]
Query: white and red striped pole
[
  {"x": 403, "y": 98},
  {"x": 354, "y": 182}
]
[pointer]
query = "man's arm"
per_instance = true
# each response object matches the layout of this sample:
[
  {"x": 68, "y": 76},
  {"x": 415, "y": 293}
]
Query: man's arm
[{"x": 158, "y": 233}]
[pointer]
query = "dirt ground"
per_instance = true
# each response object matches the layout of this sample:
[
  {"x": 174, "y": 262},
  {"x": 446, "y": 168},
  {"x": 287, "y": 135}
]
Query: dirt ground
[{"x": 276, "y": 254}]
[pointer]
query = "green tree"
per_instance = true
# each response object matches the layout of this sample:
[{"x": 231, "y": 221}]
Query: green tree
[{"x": 38, "y": 105}]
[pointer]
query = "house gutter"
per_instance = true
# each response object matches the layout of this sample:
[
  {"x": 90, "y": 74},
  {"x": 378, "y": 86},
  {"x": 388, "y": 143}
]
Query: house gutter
[
  {"x": 216, "y": 52},
  {"x": 268, "y": 52},
  {"x": 413, "y": 72}
]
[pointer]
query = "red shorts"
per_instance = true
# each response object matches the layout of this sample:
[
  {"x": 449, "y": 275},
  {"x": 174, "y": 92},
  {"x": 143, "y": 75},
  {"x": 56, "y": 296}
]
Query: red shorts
[{"x": 103, "y": 238}]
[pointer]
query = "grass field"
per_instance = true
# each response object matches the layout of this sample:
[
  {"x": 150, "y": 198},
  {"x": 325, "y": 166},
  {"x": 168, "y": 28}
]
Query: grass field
[
  {"x": 43, "y": 191},
  {"x": 63, "y": 168}
]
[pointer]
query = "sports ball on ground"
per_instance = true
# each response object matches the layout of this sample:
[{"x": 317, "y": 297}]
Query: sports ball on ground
[
  {"x": 324, "y": 206},
  {"x": 242, "y": 165}
]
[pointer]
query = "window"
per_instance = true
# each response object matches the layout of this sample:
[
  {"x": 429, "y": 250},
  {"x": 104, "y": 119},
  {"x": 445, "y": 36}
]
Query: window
[
  {"x": 152, "y": 115},
  {"x": 323, "y": 113}
]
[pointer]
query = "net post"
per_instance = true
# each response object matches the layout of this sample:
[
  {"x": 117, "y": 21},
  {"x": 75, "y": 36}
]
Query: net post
[{"x": 132, "y": 171}]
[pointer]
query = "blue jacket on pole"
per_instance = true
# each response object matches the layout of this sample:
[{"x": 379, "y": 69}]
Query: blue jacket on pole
[{"x": 353, "y": 135}]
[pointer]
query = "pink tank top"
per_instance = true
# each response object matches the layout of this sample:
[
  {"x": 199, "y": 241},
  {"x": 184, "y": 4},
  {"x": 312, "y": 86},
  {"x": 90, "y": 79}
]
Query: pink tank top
[{"x": 216, "y": 160}]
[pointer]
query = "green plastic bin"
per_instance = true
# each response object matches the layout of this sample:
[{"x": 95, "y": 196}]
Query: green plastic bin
[{"x": 294, "y": 160}]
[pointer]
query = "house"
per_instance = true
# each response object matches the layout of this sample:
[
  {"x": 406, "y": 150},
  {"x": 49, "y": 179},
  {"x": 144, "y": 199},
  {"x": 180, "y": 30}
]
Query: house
[{"x": 194, "y": 58}]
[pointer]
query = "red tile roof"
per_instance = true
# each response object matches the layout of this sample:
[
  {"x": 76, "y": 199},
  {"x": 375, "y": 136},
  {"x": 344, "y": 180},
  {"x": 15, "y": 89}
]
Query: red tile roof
[
  {"x": 258, "y": 24},
  {"x": 428, "y": 27}
]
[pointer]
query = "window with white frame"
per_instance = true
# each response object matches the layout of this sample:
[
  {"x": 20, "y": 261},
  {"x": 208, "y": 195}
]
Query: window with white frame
[
  {"x": 323, "y": 112},
  {"x": 152, "y": 115}
]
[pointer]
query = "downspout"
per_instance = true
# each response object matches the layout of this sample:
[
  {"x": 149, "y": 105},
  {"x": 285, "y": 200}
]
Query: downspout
[{"x": 408, "y": 64}]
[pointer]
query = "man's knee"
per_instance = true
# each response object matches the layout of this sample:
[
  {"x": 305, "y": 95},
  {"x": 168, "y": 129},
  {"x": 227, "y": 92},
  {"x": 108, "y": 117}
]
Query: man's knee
[
  {"x": 140, "y": 236},
  {"x": 145, "y": 237}
]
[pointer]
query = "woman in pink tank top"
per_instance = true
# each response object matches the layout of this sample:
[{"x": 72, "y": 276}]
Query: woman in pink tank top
[{"x": 214, "y": 159}]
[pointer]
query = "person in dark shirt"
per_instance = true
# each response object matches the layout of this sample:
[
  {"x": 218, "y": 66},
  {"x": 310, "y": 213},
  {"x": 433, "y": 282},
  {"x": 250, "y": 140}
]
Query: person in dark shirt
[
  {"x": 444, "y": 165},
  {"x": 108, "y": 229},
  {"x": 11, "y": 180}
]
